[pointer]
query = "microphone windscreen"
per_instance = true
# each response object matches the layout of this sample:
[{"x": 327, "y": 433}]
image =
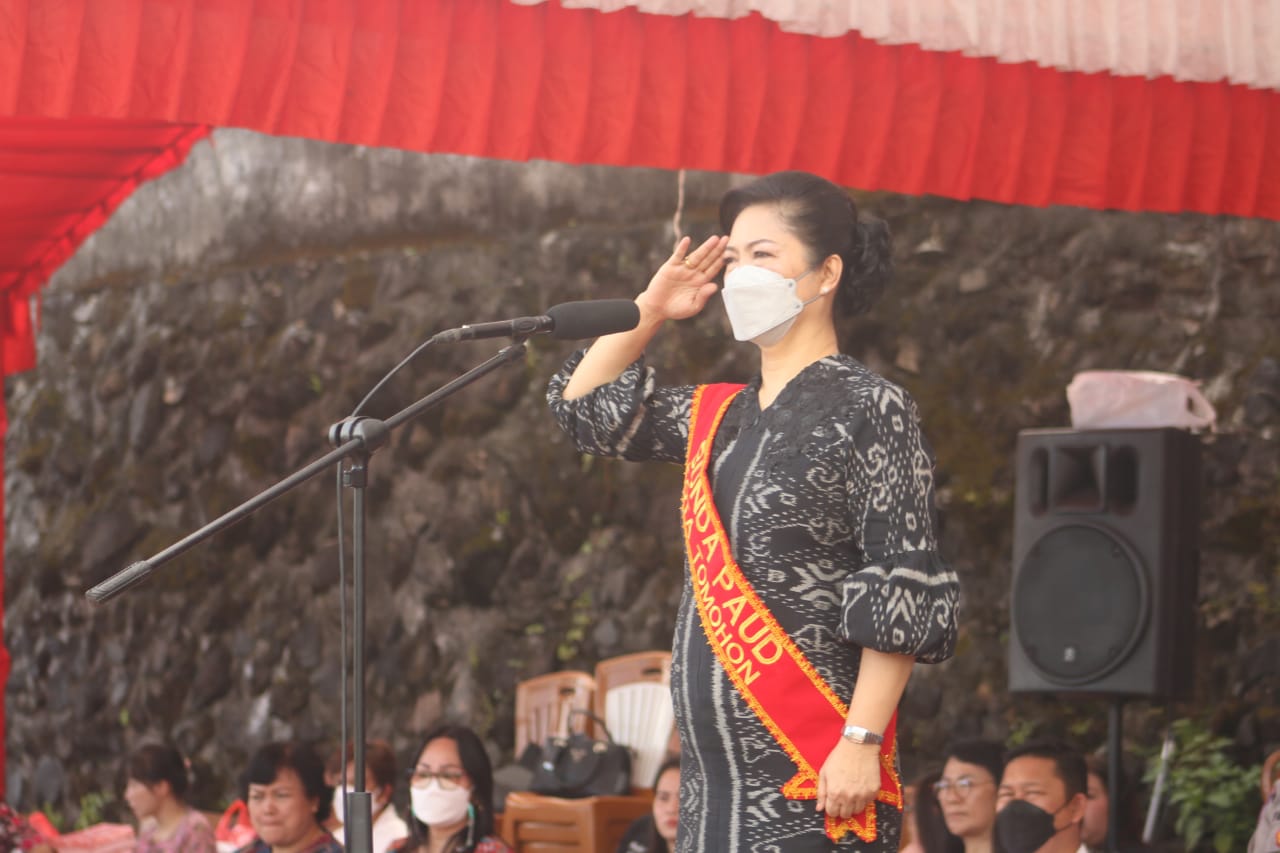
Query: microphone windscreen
[{"x": 574, "y": 321}]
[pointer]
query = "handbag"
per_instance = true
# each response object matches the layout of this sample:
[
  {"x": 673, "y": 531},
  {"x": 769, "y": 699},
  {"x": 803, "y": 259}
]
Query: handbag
[
  {"x": 234, "y": 830},
  {"x": 578, "y": 765}
]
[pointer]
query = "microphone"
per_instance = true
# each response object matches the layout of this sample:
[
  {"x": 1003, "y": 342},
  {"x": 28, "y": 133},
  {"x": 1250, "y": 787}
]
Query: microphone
[{"x": 568, "y": 321}]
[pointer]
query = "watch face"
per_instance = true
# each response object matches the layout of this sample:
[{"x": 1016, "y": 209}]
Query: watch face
[{"x": 857, "y": 734}]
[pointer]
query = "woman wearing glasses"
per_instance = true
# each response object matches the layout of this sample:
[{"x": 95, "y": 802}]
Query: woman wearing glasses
[
  {"x": 967, "y": 793},
  {"x": 451, "y": 794},
  {"x": 923, "y": 817}
]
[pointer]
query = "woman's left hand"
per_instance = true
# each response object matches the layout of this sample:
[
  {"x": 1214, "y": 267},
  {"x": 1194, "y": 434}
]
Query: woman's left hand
[{"x": 849, "y": 779}]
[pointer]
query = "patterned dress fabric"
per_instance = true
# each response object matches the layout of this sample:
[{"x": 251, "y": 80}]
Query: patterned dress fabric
[
  {"x": 827, "y": 497},
  {"x": 193, "y": 835}
]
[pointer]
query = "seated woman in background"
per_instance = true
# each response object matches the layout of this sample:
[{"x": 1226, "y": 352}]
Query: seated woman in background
[
  {"x": 1097, "y": 808},
  {"x": 909, "y": 842},
  {"x": 333, "y": 778},
  {"x": 929, "y": 833},
  {"x": 380, "y": 782},
  {"x": 288, "y": 801},
  {"x": 656, "y": 832},
  {"x": 451, "y": 794},
  {"x": 967, "y": 792},
  {"x": 155, "y": 792}
]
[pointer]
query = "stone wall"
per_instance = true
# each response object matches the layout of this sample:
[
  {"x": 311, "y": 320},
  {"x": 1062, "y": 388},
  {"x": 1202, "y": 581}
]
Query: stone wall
[{"x": 197, "y": 348}]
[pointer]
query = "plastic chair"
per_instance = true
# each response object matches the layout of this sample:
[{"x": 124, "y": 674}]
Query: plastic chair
[
  {"x": 533, "y": 823},
  {"x": 543, "y": 704},
  {"x": 653, "y": 666},
  {"x": 633, "y": 697}
]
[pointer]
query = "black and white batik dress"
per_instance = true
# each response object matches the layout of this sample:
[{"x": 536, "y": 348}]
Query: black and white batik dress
[{"x": 827, "y": 497}]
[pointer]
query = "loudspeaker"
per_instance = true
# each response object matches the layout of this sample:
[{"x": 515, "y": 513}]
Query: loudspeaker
[{"x": 1105, "y": 559}]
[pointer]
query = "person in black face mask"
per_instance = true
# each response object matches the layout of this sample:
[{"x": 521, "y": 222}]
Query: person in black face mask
[{"x": 1041, "y": 800}]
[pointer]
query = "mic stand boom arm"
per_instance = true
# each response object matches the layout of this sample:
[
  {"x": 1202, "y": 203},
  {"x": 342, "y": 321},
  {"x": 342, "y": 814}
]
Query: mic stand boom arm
[
  {"x": 366, "y": 434},
  {"x": 356, "y": 439}
]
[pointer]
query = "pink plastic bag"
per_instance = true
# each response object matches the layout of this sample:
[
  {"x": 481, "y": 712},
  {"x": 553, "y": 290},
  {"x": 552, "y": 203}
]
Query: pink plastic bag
[
  {"x": 1137, "y": 399},
  {"x": 234, "y": 830},
  {"x": 99, "y": 838}
]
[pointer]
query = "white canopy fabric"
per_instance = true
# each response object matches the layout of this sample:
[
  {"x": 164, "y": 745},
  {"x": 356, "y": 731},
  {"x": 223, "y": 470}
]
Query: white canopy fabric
[{"x": 1189, "y": 40}]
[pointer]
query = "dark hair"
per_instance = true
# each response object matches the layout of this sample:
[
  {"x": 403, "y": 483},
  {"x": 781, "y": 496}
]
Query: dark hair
[
  {"x": 826, "y": 220},
  {"x": 987, "y": 754},
  {"x": 154, "y": 763},
  {"x": 1097, "y": 766},
  {"x": 1068, "y": 764},
  {"x": 379, "y": 759},
  {"x": 930, "y": 825},
  {"x": 266, "y": 764},
  {"x": 654, "y": 841},
  {"x": 1129, "y": 821},
  {"x": 475, "y": 761}
]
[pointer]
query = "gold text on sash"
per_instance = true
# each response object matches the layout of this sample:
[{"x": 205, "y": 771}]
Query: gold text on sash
[{"x": 744, "y": 643}]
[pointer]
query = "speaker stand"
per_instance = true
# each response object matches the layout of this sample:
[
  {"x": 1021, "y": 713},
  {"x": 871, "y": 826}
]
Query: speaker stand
[{"x": 1115, "y": 723}]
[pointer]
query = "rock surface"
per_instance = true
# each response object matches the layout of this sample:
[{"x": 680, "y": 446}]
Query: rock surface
[{"x": 197, "y": 348}]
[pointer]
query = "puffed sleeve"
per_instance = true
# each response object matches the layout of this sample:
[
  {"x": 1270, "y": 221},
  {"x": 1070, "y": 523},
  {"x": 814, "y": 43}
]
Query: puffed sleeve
[
  {"x": 629, "y": 418},
  {"x": 903, "y": 597}
]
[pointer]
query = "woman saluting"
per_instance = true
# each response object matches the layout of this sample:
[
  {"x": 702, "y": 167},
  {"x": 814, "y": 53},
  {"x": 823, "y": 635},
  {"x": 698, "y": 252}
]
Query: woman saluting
[{"x": 814, "y": 581}]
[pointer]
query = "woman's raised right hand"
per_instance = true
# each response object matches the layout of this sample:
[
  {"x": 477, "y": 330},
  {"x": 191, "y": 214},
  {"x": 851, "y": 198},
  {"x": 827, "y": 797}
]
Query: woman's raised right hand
[{"x": 683, "y": 284}]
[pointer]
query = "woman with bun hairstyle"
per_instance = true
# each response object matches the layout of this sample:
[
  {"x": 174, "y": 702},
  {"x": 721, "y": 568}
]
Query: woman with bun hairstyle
[
  {"x": 813, "y": 581},
  {"x": 156, "y": 793}
]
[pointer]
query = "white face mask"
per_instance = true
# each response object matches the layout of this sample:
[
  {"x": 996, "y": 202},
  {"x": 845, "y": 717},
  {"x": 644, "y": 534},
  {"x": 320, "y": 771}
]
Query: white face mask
[
  {"x": 435, "y": 806},
  {"x": 340, "y": 804},
  {"x": 762, "y": 305}
]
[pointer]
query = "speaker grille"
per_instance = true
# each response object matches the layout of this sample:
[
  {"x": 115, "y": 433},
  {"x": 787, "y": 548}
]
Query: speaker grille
[{"x": 1080, "y": 603}]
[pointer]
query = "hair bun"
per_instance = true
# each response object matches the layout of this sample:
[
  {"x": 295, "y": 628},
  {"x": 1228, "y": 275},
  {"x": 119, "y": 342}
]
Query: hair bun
[{"x": 870, "y": 265}]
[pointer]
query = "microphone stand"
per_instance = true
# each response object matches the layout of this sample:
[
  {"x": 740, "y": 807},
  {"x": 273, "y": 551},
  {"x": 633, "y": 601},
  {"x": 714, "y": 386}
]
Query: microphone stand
[{"x": 355, "y": 439}]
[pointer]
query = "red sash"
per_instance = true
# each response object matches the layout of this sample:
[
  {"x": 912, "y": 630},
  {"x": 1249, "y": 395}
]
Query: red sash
[{"x": 769, "y": 671}]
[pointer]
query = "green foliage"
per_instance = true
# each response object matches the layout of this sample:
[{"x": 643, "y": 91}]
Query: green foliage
[
  {"x": 92, "y": 806},
  {"x": 1020, "y": 732},
  {"x": 54, "y": 814},
  {"x": 1216, "y": 801},
  {"x": 579, "y": 620}
]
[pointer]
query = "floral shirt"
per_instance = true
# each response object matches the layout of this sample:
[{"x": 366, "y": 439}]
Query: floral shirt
[
  {"x": 193, "y": 835},
  {"x": 325, "y": 844}
]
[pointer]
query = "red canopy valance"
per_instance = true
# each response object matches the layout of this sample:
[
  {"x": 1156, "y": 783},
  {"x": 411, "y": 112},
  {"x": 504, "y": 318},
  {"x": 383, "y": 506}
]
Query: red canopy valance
[{"x": 628, "y": 87}]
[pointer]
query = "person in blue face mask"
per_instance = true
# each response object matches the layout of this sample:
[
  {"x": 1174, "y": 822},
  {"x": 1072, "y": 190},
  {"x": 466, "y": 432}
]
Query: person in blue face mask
[
  {"x": 1041, "y": 801},
  {"x": 813, "y": 580}
]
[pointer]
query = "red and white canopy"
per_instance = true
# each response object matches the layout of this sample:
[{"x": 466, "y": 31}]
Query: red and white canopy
[
  {"x": 1163, "y": 105},
  {"x": 1132, "y": 104},
  {"x": 1202, "y": 41}
]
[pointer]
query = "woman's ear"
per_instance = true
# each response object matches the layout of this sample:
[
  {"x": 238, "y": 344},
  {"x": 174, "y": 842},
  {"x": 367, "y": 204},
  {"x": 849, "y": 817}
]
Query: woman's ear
[{"x": 829, "y": 274}]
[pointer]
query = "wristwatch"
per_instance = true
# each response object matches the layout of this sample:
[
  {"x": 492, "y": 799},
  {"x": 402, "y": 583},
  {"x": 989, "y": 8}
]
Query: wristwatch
[{"x": 857, "y": 734}]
